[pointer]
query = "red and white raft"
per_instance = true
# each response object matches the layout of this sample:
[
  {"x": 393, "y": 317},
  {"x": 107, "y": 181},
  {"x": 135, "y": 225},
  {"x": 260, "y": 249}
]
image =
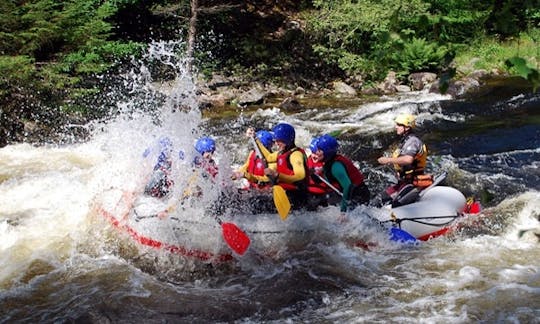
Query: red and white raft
[
  {"x": 436, "y": 213},
  {"x": 191, "y": 232}
]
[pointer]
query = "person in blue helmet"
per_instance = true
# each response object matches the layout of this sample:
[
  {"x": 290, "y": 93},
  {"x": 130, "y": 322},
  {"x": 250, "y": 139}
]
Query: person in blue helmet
[
  {"x": 204, "y": 166},
  {"x": 160, "y": 181},
  {"x": 206, "y": 146},
  {"x": 340, "y": 172},
  {"x": 253, "y": 168},
  {"x": 318, "y": 192},
  {"x": 291, "y": 168}
]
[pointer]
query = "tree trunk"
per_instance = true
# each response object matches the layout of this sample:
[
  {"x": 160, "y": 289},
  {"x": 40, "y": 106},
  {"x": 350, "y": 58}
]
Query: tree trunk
[{"x": 191, "y": 34}]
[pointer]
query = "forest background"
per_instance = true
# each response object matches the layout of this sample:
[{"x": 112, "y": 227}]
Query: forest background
[{"x": 57, "y": 58}]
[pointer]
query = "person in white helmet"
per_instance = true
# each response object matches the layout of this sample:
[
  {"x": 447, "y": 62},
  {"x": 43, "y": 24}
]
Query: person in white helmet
[{"x": 409, "y": 159}]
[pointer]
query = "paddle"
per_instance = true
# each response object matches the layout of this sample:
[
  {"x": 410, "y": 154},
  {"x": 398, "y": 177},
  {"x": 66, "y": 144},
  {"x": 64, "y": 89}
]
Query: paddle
[
  {"x": 237, "y": 239},
  {"x": 396, "y": 234},
  {"x": 281, "y": 201}
]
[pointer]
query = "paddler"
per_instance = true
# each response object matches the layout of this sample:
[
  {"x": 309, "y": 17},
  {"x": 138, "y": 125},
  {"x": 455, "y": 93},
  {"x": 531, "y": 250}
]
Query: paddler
[
  {"x": 291, "y": 169},
  {"x": 318, "y": 191},
  {"x": 206, "y": 146},
  {"x": 409, "y": 158},
  {"x": 253, "y": 168},
  {"x": 160, "y": 181},
  {"x": 341, "y": 173}
]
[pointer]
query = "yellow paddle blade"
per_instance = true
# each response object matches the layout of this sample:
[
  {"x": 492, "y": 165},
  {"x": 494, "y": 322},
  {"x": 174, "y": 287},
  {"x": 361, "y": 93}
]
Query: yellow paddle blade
[{"x": 283, "y": 205}]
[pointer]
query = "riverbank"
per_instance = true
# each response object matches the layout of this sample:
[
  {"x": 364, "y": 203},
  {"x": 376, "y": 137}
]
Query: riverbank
[{"x": 221, "y": 95}]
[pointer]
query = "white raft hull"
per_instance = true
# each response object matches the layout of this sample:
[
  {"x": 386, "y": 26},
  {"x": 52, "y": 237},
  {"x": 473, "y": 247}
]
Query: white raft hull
[
  {"x": 432, "y": 215},
  {"x": 191, "y": 233}
]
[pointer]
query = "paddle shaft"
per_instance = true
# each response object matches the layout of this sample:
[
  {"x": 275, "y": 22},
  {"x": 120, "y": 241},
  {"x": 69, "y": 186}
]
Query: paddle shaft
[
  {"x": 329, "y": 184},
  {"x": 258, "y": 151}
]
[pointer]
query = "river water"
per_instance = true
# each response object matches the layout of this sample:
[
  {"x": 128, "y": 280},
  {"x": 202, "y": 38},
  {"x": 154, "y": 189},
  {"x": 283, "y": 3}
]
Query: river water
[{"x": 62, "y": 262}]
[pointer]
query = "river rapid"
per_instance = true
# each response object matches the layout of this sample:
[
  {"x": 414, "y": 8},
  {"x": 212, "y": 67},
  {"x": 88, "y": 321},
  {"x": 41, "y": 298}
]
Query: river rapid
[{"x": 62, "y": 262}]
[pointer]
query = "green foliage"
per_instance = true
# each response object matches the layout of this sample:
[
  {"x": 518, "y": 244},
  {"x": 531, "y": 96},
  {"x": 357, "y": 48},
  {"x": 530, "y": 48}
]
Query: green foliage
[
  {"x": 99, "y": 59},
  {"x": 420, "y": 55},
  {"x": 51, "y": 46},
  {"x": 490, "y": 53},
  {"x": 519, "y": 66},
  {"x": 372, "y": 37},
  {"x": 15, "y": 71}
]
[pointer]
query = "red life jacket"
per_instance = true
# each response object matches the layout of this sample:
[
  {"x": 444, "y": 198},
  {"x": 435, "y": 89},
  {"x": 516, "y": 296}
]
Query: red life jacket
[
  {"x": 210, "y": 167},
  {"x": 314, "y": 187},
  {"x": 357, "y": 178},
  {"x": 284, "y": 166},
  {"x": 256, "y": 165}
]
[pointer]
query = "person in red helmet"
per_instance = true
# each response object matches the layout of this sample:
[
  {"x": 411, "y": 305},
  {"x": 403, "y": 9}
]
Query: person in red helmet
[
  {"x": 291, "y": 169},
  {"x": 409, "y": 159},
  {"x": 342, "y": 174}
]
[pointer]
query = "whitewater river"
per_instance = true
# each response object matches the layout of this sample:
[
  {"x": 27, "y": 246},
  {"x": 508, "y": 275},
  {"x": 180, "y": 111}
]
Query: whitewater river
[{"x": 63, "y": 262}]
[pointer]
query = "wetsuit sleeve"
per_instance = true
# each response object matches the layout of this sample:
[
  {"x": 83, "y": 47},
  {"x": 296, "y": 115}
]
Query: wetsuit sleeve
[
  {"x": 244, "y": 167},
  {"x": 297, "y": 161},
  {"x": 340, "y": 174}
]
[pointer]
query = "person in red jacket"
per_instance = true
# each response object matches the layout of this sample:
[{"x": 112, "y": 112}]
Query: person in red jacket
[
  {"x": 342, "y": 174},
  {"x": 318, "y": 192},
  {"x": 291, "y": 169},
  {"x": 253, "y": 168}
]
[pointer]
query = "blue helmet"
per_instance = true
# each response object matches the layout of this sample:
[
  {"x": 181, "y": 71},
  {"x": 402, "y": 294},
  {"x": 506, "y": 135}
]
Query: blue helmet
[
  {"x": 266, "y": 138},
  {"x": 165, "y": 143},
  {"x": 328, "y": 145},
  {"x": 205, "y": 144},
  {"x": 313, "y": 145},
  {"x": 284, "y": 133}
]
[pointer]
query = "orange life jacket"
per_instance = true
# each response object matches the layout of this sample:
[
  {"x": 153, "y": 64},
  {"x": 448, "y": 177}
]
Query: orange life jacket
[{"x": 418, "y": 165}]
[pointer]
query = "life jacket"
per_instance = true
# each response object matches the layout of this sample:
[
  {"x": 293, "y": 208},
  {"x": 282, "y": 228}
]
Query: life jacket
[
  {"x": 256, "y": 167},
  {"x": 419, "y": 161},
  {"x": 164, "y": 161},
  {"x": 357, "y": 178},
  {"x": 316, "y": 187},
  {"x": 284, "y": 166},
  {"x": 210, "y": 166}
]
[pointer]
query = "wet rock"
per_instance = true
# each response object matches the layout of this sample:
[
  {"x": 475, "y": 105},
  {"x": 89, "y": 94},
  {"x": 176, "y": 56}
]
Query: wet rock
[
  {"x": 218, "y": 81},
  {"x": 390, "y": 83},
  {"x": 418, "y": 81},
  {"x": 291, "y": 104},
  {"x": 214, "y": 100},
  {"x": 457, "y": 88},
  {"x": 254, "y": 96},
  {"x": 343, "y": 89},
  {"x": 403, "y": 88}
]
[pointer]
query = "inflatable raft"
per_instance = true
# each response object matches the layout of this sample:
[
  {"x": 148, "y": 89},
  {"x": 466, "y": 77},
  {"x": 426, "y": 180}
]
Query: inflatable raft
[
  {"x": 429, "y": 213},
  {"x": 193, "y": 231}
]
